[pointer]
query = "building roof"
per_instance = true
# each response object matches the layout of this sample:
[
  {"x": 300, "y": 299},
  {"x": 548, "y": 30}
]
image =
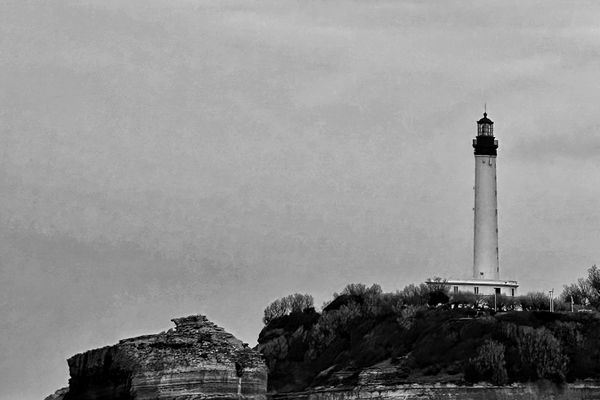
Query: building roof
[{"x": 482, "y": 282}]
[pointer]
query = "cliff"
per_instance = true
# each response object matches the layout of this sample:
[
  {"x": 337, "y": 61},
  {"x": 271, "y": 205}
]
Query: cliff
[
  {"x": 357, "y": 347},
  {"x": 196, "y": 360},
  {"x": 524, "y": 391}
]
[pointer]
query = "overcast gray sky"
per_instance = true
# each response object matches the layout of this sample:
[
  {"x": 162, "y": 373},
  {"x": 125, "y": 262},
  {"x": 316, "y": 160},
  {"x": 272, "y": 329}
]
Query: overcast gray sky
[{"x": 164, "y": 158}]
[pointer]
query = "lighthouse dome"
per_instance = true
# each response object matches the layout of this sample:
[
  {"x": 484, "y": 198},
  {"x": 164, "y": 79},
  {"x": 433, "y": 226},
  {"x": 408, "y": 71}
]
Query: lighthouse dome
[{"x": 485, "y": 120}]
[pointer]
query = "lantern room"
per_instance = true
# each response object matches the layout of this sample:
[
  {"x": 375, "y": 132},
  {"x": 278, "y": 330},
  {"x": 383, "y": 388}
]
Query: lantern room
[
  {"x": 485, "y": 126},
  {"x": 485, "y": 144}
]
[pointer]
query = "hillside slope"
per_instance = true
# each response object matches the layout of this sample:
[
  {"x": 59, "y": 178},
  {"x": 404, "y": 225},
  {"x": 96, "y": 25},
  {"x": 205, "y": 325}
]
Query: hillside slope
[{"x": 374, "y": 342}]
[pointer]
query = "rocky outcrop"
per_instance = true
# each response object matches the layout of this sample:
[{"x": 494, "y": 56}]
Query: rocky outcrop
[
  {"x": 524, "y": 391},
  {"x": 285, "y": 345},
  {"x": 58, "y": 395},
  {"x": 196, "y": 360}
]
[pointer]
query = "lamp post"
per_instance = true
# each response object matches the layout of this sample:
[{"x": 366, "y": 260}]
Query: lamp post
[{"x": 571, "y": 303}]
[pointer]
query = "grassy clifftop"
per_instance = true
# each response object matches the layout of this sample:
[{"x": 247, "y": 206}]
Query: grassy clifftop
[{"x": 378, "y": 338}]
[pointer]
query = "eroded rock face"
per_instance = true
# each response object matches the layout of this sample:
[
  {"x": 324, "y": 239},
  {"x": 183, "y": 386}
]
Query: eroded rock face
[
  {"x": 285, "y": 346},
  {"x": 58, "y": 395},
  {"x": 196, "y": 360},
  {"x": 521, "y": 391}
]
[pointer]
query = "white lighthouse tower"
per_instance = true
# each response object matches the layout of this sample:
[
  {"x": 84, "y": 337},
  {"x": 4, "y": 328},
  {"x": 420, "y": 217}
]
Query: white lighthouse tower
[
  {"x": 486, "y": 266},
  {"x": 485, "y": 259}
]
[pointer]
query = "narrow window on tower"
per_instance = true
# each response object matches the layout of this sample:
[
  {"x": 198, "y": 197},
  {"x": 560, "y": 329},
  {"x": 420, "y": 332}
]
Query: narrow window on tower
[
  {"x": 512, "y": 292},
  {"x": 476, "y": 290},
  {"x": 455, "y": 289}
]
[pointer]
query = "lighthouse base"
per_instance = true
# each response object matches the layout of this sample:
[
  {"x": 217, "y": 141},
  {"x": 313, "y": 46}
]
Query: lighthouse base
[{"x": 481, "y": 286}]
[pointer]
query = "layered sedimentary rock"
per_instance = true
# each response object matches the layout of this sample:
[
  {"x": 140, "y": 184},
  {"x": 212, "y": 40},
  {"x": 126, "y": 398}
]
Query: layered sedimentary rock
[
  {"x": 196, "y": 360},
  {"x": 523, "y": 391}
]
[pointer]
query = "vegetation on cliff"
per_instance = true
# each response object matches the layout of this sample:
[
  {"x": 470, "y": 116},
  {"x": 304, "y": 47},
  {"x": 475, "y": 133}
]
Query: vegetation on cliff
[{"x": 423, "y": 334}]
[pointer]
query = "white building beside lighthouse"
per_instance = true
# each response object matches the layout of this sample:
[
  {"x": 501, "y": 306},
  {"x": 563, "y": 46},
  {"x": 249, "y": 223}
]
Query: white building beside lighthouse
[{"x": 486, "y": 265}]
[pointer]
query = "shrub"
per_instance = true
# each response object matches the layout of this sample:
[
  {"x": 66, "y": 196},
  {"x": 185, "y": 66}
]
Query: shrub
[
  {"x": 293, "y": 303},
  {"x": 332, "y": 324},
  {"x": 508, "y": 303},
  {"x": 560, "y": 305},
  {"x": 540, "y": 354},
  {"x": 577, "y": 292},
  {"x": 415, "y": 295},
  {"x": 437, "y": 297},
  {"x": 489, "y": 364},
  {"x": 586, "y": 291},
  {"x": 407, "y": 316},
  {"x": 534, "y": 301},
  {"x": 385, "y": 304},
  {"x": 372, "y": 301},
  {"x": 593, "y": 282},
  {"x": 361, "y": 290},
  {"x": 438, "y": 284},
  {"x": 434, "y": 293},
  {"x": 469, "y": 299}
]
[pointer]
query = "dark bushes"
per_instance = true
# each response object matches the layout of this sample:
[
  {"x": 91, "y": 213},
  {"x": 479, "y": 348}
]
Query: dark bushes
[
  {"x": 293, "y": 303},
  {"x": 540, "y": 355},
  {"x": 363, "y": 326},
  {"x": 489, "y": 365}
]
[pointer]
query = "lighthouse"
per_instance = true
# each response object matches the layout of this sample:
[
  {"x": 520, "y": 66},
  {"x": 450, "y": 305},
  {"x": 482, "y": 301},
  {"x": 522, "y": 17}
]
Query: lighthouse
[
  {"x": 485, "y": 278},
  {"x": 485, "y": 255}
]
